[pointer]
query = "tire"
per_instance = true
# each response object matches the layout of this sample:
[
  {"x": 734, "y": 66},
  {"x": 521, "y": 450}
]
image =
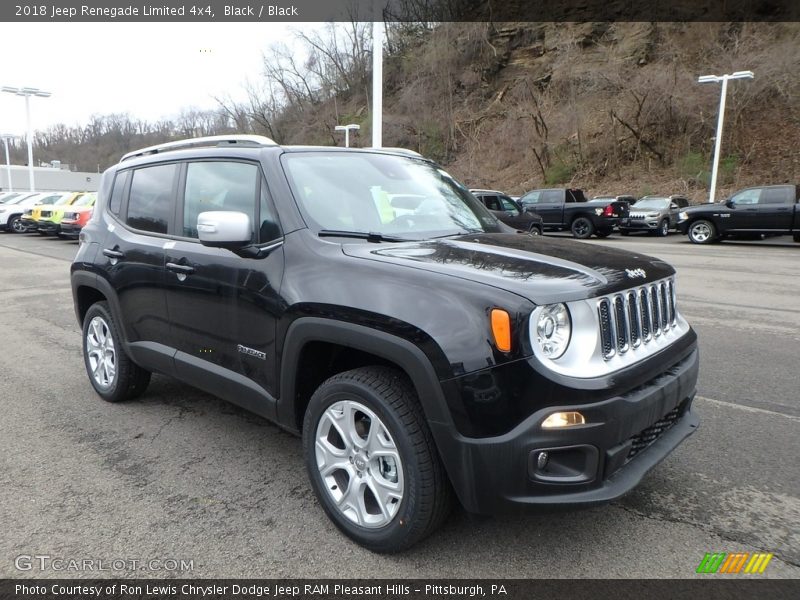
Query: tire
[
  {"x": 417, "y": 495},
  {"x": 15, "y": 225},
  {"x": 119, "y": 378},
  {"x": 796, "y": 237},
  {"x": 42, "y": 232},
  {"x": 535, "y": 230},
  {"x": 624, "y": 232},
  {"x": 663, "y": 228},
  {"x": 582, "y": 228},
  {"x": 702, "y": 232},
  {"x": 602, "y": 233}
]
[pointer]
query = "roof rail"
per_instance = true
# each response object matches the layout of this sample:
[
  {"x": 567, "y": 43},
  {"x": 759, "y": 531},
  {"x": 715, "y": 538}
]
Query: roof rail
[{"x": 212, "y": 140}]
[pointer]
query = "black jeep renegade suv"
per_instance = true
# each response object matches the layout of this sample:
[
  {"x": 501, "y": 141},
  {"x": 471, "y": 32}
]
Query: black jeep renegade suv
[{"x": 366, "y": 300}]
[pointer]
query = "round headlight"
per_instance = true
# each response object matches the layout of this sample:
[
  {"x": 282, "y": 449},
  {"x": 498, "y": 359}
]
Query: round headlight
[{"x": 553, "y": 329}]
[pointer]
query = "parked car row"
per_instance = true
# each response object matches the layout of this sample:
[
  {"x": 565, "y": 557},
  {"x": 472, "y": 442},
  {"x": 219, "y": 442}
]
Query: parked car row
[
  {"x": 758, "y": 211},
  {"x": 48, "y": 213}
]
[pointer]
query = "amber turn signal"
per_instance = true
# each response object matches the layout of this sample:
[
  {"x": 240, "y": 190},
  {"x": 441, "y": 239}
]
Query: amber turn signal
[{"x": 501, "y": 329}]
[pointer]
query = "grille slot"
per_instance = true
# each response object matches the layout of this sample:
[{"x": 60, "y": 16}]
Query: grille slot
[
  {"x": 636, "y": 317},
  {"x": 606, "y": 335},
  {"x": 647, "y": 436}
]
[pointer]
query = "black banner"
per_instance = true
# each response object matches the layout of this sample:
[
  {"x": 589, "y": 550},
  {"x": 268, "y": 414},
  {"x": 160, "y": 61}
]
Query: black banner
[
  {"x": 398, "y": 10},
  {"x": 710, "y": 588}
]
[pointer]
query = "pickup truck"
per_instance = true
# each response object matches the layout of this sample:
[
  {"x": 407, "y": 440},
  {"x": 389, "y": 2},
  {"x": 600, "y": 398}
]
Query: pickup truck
[
  {"x": 768, "y": 210},
  {"x": 564, "y": 209}
]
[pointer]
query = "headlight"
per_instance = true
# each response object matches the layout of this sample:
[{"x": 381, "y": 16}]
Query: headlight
[
  {"x": 553, "y": 330},
  {"x": 682, "y": 216}
]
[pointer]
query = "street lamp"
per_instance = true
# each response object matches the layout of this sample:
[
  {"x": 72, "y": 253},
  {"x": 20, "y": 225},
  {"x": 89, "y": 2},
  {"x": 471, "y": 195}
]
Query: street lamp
[
  {"x": 718, "y": 142},
  {"x": 6, "y": 137},
  {"x": 27, "y": 92},
  {"x": 346, "y": 129}
]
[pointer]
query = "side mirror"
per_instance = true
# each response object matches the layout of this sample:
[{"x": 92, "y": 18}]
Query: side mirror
[
  {"x": 673, "y": 206},
  {"x": 730, "y": 203},
  {"x": 224, "y": 229}
]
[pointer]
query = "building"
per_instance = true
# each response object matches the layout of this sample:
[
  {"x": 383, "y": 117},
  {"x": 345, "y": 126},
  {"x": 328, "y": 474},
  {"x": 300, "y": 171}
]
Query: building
[{"x": 48, "y": 179}]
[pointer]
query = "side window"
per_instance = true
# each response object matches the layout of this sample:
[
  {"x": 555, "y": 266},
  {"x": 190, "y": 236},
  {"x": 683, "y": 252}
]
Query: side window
[
  {"x": 218, "y": 185},
  {"x": 508, "y": 205},
  {"x": 491, "y": 202},
  {"x": 554, "y": 196},
  {"x": 120, "y": 182},
  {"x": 269, "y": 229},
  {"x": 531, "y": 198},
  {"x": 747, "y": 197},
  {"x": 150, "y": 200},
  {"x": 779, "y": 195}
]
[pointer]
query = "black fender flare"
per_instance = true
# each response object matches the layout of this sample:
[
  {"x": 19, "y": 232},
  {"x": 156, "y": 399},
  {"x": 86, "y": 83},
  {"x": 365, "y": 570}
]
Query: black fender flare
[
  {"x": 390, "y": 347},
  {"x": 93, "y": 280}
]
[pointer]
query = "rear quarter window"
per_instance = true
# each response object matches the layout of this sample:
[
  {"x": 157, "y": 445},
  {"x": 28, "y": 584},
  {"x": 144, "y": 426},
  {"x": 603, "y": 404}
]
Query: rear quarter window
[{"x": 150, "y": 201}]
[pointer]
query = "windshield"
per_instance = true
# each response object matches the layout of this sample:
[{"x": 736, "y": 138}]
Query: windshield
[
  {"x": 9, "y": 198},
  {"x": 63, "y": 200},
  {"x": 385, "y": 194},
  {"x": 656, "y": 203}
]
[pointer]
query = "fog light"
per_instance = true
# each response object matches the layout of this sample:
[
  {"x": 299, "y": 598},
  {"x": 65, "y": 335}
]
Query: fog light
[
  {"x": 541, "y": 460},
  {"x": 563, "y": 419}
]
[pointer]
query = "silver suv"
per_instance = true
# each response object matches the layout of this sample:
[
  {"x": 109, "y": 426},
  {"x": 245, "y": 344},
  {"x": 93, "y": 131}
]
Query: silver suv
[{"x": 654, "y": 214}]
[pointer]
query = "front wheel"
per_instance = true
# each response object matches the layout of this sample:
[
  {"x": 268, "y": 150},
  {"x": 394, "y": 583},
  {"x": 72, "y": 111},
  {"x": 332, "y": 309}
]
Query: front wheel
[
  {"x": 702, "y": 232},
  {"x": 582, "y": 228},
  {"x": 113, "y": 375},
  {"x": 16, "y": 225},
  {"x": 603, "y": 233},
  {"x": 371, "y": 459},
  {"x": 663, "y": 228},
  {"x": 535, "y": 230}
]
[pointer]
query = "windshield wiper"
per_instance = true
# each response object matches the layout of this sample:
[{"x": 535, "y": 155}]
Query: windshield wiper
[{"x": 371, "y": 236}]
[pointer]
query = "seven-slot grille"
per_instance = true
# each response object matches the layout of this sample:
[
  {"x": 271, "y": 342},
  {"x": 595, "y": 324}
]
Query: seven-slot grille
[
  {"x": 636, "y": 316},
  {"x": 46, "y": 213}
]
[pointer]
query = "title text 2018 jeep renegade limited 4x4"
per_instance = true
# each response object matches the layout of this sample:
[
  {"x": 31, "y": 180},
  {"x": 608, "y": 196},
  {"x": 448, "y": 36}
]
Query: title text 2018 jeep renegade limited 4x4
[{"x": 421, "y": 352}]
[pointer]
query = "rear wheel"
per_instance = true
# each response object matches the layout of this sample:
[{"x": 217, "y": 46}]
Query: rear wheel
[
  {"x": 371, "y": 459},
  {"x": 113, "y": 375},
  {"x": 702, "y": 232},
  {"x": 582, "y": 228}
]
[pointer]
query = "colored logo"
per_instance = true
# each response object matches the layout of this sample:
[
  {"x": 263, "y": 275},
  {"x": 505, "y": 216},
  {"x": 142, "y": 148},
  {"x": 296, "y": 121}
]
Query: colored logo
[{"x": 736, "y": 562}]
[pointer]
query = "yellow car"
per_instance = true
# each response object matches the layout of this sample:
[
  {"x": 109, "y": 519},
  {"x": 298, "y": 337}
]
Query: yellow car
[
  {"x": 50, "y": 202},
  {"x": 50, "y": 218}
]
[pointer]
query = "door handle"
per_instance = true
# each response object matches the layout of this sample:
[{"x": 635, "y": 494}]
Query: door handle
[
  {"x": 181, "y": 269},
  {"x": 110, "y": 253}
]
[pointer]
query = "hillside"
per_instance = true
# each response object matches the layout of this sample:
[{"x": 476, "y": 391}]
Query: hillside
[{"x": 609, "y": 107}]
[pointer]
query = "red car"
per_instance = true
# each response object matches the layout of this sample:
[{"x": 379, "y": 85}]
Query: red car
[{"x": 76, "y": 217}]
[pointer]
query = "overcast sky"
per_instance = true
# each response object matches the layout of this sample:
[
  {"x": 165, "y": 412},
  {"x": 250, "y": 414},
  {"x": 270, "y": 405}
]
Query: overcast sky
[{"x": 150, "y": 70}]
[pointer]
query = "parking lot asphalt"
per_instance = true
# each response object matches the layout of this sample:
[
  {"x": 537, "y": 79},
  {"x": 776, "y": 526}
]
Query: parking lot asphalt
[{"x": 180, "y": 474}]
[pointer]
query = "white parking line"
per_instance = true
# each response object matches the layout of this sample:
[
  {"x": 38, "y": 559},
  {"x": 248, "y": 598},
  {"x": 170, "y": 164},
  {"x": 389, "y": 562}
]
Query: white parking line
[{"x": 747, "y": 408}]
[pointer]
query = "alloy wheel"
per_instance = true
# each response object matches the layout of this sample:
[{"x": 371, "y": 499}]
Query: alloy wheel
[
  {"x": 359, "y": 463},
  {"x": 101, "y": 352}
]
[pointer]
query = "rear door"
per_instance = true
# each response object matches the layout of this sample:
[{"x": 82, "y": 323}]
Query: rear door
[
  {"x": 223, "y": 308},
  {"x": 775, "y": 209},
  {"x": 143, "y": 200},
  {"x": 551, "y": 207}
]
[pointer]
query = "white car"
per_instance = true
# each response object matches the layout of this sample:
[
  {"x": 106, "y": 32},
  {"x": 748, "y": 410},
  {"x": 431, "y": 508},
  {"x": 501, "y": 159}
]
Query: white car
[{"x": 11, "y": 211}]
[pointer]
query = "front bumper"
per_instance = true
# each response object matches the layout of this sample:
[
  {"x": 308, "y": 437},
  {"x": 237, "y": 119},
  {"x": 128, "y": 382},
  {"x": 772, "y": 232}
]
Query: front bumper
[
  {"x": 624, "y": 437},
  {"x": 639, "y": 224},
  {"x": 683, "y": 227},
  {"x": 48, "y": 226},
  {"x": 70, "y": 229},
  {"x": 29, "y": 224}
]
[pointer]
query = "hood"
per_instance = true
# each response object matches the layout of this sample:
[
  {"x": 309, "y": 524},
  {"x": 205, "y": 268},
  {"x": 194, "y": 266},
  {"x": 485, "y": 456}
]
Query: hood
[{"x": 539, "y": 268}]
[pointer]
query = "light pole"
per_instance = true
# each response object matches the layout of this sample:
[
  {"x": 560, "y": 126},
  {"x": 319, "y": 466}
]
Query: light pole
[
  {"x": 27, "y": 92},
  {"x": 6, "y": 137},
  {"x": 377, "y": 83},
  {"x": 720, "y": 118},
  {"x": 346, "y": 129}
]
